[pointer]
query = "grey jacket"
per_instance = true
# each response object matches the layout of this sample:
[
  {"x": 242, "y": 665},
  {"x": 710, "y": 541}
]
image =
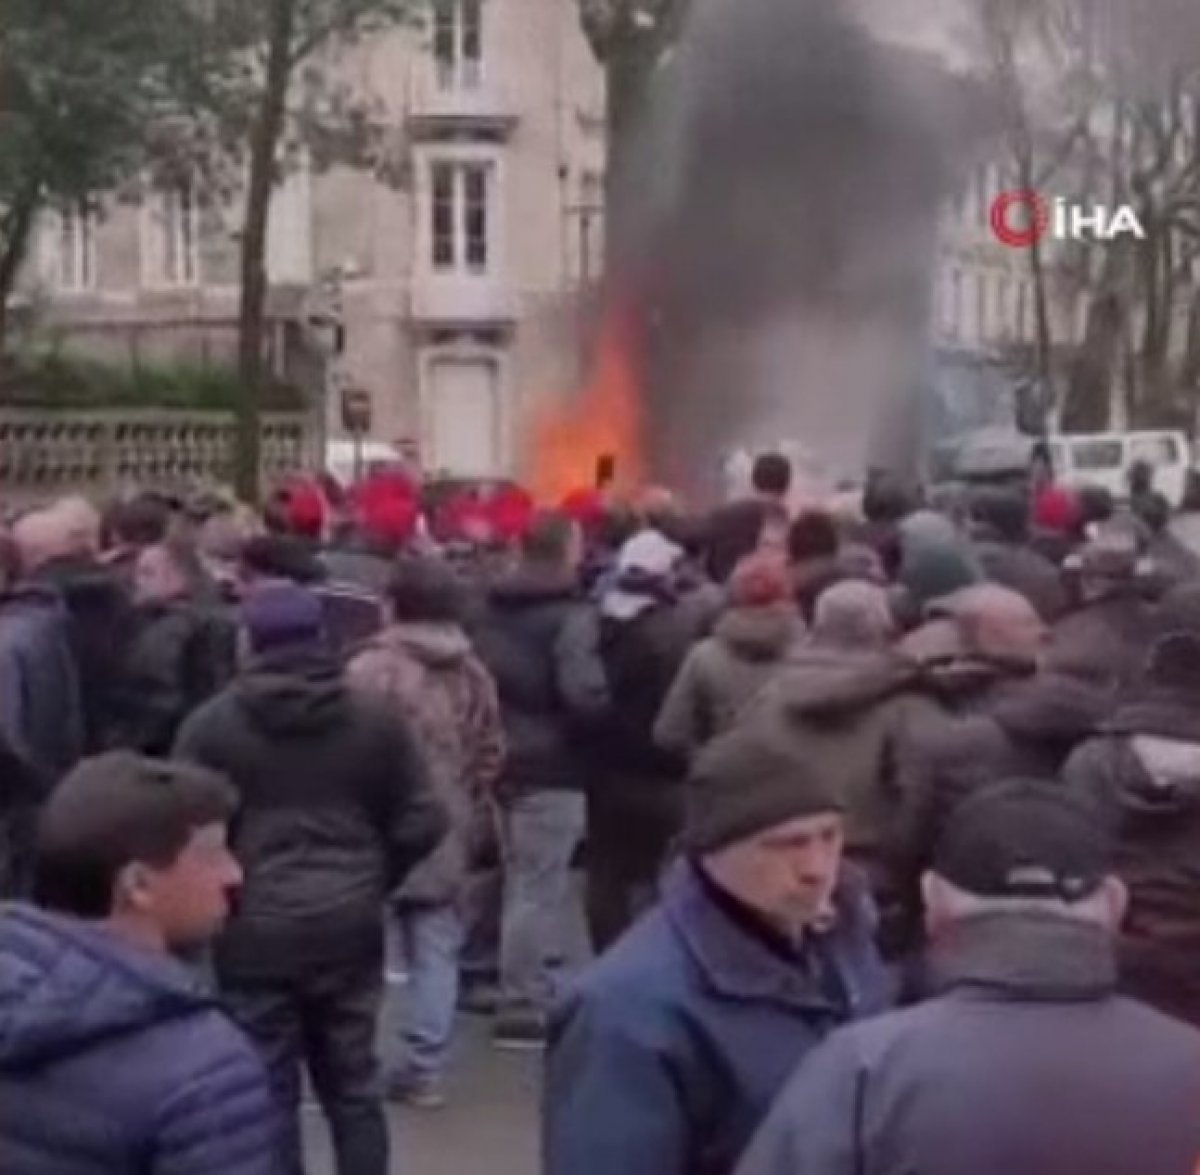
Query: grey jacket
[{"x": 1028, "y": 1062}]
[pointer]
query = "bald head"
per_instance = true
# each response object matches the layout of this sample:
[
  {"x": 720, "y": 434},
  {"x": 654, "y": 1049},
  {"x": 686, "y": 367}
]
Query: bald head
[
  {"x": 996, "y": 622},
  {"x": 40, "y": 538}
]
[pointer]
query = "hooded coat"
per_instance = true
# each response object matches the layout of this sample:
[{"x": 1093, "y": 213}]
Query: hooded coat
[
  {"x": 336, "y": 811},
  {"x": 1027, "y": 1061},
  {"x": 1026, "y": 727},
  {"x": 1143, "y": 771},
  {"x": 113, "y": 1062},
  {"x": 724, "y": 673},
  {"x": 430, "y": 676}
]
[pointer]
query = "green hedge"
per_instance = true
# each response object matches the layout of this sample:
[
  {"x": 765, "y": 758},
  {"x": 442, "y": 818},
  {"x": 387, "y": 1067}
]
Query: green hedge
[{"x": 70, "y": 383}]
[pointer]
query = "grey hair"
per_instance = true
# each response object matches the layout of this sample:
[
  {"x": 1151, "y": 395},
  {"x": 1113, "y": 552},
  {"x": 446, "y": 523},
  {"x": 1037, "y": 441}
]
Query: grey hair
[{"x": 957, "y": 905}]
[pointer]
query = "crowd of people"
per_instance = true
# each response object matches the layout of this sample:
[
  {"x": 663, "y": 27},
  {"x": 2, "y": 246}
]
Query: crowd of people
[{"x": 886, "y": 816}]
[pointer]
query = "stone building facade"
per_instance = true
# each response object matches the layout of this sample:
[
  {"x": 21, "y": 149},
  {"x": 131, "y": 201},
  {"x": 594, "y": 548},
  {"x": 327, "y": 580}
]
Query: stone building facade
[{"x": 458, "y": 277}]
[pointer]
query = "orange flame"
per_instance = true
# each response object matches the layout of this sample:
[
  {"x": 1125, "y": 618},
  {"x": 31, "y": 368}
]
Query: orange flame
[{"x": 604, "y": 419}]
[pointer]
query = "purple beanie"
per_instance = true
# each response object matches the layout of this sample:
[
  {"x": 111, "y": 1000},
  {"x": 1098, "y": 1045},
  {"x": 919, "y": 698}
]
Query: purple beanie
[{"x": 280, "y": 614}]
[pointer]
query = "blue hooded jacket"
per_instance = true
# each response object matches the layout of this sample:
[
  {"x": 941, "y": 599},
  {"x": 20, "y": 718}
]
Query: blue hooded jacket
[{"x": 113, "y": 1061}]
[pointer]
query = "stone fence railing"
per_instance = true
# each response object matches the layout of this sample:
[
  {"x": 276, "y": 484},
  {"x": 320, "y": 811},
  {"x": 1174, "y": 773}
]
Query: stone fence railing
[{"x": 104, "y": 452}]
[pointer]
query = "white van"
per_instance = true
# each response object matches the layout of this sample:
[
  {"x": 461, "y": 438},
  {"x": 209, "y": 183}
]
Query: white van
[
  {"x": 1105, "y": 459},
  {"x": 377, "y": 457}
]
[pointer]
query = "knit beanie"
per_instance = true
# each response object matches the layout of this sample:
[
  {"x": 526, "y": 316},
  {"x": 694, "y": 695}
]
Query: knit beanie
[
  {"x": 742, "y": 784},
  {"x": 282, "y": 614},
  {"x": 759, "y": 581}
]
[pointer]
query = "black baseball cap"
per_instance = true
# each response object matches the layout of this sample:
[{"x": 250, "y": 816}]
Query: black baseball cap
[{"x": 1025, "y": 839}]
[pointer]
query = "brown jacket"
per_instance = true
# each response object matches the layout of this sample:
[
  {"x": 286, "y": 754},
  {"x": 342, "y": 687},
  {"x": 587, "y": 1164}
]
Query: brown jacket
[
  {"x": 430, "y": 674},
  {"x": 853, "y": 717},
  {"x": 724, "y": 674}
]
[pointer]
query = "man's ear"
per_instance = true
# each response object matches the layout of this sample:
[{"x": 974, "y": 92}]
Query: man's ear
[{"x": 132, "y": 891}]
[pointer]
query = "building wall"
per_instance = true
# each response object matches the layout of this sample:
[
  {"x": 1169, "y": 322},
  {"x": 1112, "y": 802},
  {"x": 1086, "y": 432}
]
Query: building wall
[{"x": 151, "y": 279}]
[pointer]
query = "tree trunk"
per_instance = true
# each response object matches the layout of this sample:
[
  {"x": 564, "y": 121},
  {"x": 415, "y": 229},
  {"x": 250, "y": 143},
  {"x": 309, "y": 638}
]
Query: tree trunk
[
  {"x": 1089, "y": 389},
  {"x": 19, "y": 223},
  {"x": 267, "y": 130}
]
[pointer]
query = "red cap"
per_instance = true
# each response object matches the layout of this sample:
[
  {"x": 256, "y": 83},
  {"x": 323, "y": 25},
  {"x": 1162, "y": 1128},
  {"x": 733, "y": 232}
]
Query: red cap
[
  {"x": 1056, "y": 509},
  {"x": 585, "y": 506},
  {"x": 306, "y": 510},
  {"x": 510, "y": 511},
  {"x": 390, "y": 521}
]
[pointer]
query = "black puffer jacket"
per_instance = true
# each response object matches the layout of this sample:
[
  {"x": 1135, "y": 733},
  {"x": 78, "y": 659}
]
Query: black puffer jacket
[
  {"x": 337, "y": 809},
  {"x": 101, "y": 625},
  {"x": 1143, "y": 771},
  {"x": 181, "y": 654},
  {"x": 538, "y": 638}
]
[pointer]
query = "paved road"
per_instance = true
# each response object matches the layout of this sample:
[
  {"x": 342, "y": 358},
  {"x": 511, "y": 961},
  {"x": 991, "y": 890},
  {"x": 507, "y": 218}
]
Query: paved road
[{"x": 490, "y": 1125}]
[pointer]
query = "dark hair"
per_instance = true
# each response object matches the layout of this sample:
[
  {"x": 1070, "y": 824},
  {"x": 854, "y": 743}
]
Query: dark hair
[
  {"x": 814, "y": 535},
  {"x": 424, "y": 590},
  {"x": 280, "y": 556},
  {"x": 1004, "y": 512},
  {"x": 886, "y": 500},
  {"x": 139, "y": 522},
  {"x": 772, "y": 474},
  {"x": 549, "y": 537},
  {"x": 734, "y": 531},
  {"x": 113, "y": 811}
]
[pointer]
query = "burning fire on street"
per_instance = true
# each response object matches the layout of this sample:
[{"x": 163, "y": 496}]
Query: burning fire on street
[{"x": 602, "y": 422}]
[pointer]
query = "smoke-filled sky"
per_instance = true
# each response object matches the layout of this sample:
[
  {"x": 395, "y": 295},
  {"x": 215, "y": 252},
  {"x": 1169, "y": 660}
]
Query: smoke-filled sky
[
  {"x": 780, "y": 215},
  {"x": 780, "y": 220}
]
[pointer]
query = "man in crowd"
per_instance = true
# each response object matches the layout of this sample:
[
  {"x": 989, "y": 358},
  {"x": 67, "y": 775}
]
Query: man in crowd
[
  {"x": 541, "y": 652},
  {"x": 180, "y": 653},
  {"x": 1001, "y": 540},
  {"x": 335, "y": 812},
  {"x": 112, "y": 1060},
  {"x": 41, "y": 703},
  {"x": 1027, "y": 1060},
  {"x": 671, "y": 1048},
  {"x": 1142, "y": 770},
  {"x": 424, "y": 668},
  {"x": 1011, "y": 721},
  {"x": 1106, "y": 638}
]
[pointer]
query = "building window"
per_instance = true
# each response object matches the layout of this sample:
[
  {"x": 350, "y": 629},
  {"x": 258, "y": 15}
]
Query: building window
[
  {"x": 1003, "y": 308},
  {"x": 954, "y": 315},
  {"x": 982, "y": 322},
  {"x": 460, "y": 216},
  {"x": 458, "y": 43},
  {"x": 173, "y": 238},
  {"x": 76, "y": 250}
]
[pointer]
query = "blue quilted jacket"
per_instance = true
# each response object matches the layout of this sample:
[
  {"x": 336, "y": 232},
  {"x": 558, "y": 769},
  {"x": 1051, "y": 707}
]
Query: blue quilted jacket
[{"x": 113, "y": 1061}]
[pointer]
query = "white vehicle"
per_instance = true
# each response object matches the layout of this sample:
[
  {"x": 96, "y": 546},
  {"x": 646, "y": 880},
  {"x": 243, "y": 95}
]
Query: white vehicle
[
  {"x": 1105, "y": 459},
  {"x": 376, "y": 457}
]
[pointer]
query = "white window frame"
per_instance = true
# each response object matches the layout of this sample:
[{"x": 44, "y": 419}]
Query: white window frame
[
  {"x": 165, "y": 233},
  {"x": 459, "y": 71},
  {"x": 461, "y": 159},
  {"x": 71, "y": 261}
]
